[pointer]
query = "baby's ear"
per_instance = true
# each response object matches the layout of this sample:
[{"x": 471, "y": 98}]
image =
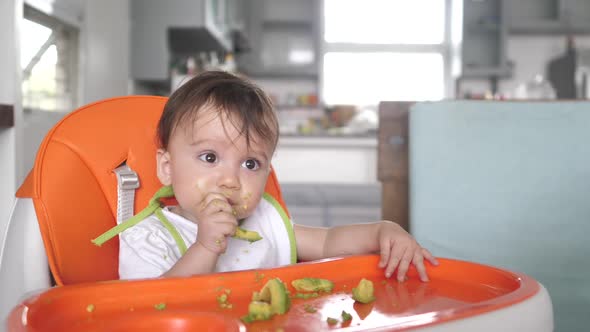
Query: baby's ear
[{"x": 163, "y": 166}]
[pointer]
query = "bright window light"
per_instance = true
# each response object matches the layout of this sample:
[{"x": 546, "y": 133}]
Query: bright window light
[
  {"x": 368, "y": 78},
  {"x": 384, "y": 21},
  {"x": 303, "y": 57},
  {"x": 33, "y": 37},
  {"x": 49, "y": 51}
]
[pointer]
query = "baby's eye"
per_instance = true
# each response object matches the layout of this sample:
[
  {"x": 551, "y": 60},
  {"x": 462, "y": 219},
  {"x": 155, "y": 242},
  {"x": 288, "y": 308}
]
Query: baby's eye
[
  {"x": 251, "y": 164},
  {"x": 208, "y": 157}
]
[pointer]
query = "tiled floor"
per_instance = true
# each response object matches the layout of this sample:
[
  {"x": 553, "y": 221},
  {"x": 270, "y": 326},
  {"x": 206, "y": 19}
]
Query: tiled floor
[{"x": 331, "y": 205}]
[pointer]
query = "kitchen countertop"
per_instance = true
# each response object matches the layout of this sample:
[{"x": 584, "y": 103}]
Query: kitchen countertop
[
  {"x": 358, "y": 141},
  {"x": 326, "y": 159}
]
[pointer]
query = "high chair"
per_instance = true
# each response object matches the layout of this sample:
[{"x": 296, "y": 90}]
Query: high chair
[
  {"x": 95, "y": 166},
  {"x": 84, "y": 179}
]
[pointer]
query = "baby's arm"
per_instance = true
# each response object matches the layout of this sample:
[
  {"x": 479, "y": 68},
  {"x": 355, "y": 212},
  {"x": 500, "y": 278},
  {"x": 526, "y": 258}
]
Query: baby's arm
[
  {"x": 398, "y": 249},
  {"x": 196, "y": 260},
  {"x": 319, "y": 242}
]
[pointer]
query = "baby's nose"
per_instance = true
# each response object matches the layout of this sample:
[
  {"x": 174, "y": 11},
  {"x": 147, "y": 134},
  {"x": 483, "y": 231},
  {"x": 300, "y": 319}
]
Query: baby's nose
[{"x": 229, "y": 178}]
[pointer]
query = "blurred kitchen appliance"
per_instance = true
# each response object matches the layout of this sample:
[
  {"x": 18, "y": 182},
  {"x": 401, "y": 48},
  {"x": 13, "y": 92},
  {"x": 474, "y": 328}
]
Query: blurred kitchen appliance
[
  {"x": 561, "y": 72},
  {"x": 569, "y": 73},
  {"x": 583, "y": 74}
]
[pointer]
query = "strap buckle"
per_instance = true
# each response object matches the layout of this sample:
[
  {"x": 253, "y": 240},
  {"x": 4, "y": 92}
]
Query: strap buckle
[
  {"x": 126, "y": 178},
  {"x": 127, "y": 182}
]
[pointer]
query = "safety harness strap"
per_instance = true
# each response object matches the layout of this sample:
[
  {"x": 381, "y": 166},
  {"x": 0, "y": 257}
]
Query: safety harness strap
[
  {"x": 154, "y": 204},
  {"x": 127, "y": 182}
]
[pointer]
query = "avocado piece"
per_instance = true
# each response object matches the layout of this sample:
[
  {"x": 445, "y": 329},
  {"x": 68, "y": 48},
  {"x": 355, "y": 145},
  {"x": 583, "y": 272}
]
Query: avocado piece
[
  {"x": 309, "y": 308},
  {"x": 312, "y": 285},
  {"x": 306, "y": 295},
  {"x": 275, "y": 293},
  {"x": 272, "y": 299},
  {"x": 256, "y": 296},
  {"x": 331, "y": 321},
  {"x": 258, "y": 310},
  {"x": 346, "y": 316},
  {"x": 250, "y": 236},
  {"x": 364, "y": 291}
]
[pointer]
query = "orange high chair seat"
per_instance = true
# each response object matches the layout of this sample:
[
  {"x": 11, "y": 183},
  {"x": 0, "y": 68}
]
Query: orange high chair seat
[{"x": 74, "y": 189}]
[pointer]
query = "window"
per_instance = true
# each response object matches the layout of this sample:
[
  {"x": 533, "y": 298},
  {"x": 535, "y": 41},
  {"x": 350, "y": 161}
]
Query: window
[
  {"x": 366, "y": 78},
  {"x": 375, "y": 50},
  {"x": 49, "y": 61},
  {"x": 384, "y": 21}
]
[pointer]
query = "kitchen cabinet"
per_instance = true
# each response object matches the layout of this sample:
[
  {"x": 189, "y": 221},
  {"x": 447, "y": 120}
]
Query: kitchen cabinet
[
  {"x": 484, "y": 39},
  {"x": 488, "y": 23},
  {"x": 549, "y": 16},
  {"x": 162, "y": 28},
  {"x": 284, "y": 38},
  {"x": 328, "y": 205}
]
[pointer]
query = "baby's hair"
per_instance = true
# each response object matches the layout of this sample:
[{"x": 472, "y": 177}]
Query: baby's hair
[{"x": 238, "y": 100}]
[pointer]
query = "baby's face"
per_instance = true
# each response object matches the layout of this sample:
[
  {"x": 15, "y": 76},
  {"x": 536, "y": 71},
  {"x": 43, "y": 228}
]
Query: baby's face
[{"x": 212, "y": 158}]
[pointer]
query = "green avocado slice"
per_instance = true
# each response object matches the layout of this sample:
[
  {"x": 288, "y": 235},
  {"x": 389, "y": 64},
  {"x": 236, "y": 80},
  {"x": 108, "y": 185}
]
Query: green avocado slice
[
  {"x": 275, "y": 293},
  {"x": 250, "y": 236},
  {"x": 364, "y": 291},
  {"x": 312, "y": 285},
  {"x": 258, "y": 310},
  {"x": 272, "y": 299}
]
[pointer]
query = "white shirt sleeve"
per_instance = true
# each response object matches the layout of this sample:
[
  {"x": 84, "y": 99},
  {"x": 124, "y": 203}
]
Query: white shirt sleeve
[{"x": 146, "y": 250}]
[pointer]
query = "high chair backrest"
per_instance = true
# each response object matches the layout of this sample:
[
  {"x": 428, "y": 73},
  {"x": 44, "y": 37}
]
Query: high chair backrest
[{"x": 74, "y": 188}]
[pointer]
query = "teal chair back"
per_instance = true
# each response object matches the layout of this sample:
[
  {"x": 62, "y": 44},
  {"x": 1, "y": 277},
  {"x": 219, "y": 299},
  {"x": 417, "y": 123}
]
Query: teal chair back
[{"x": 507, "y": 184}]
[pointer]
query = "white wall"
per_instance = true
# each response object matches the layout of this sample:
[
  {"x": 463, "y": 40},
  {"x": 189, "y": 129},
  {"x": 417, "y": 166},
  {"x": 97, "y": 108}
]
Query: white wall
[
  {"x": 10, "y": 172},
  {"x": 105, "y": 50}
]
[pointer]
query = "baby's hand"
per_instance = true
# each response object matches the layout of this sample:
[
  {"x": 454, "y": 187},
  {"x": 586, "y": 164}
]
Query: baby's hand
[
  {"x": 399, "y": 249},
  {"x": 217, "y": 221}
]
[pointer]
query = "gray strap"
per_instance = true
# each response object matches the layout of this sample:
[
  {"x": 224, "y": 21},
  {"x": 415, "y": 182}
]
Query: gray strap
[{"x": 127, "y": 182}]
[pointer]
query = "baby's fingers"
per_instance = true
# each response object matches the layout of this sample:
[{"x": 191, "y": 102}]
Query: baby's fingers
[
  {"x": 218, "y": 206},
  {"x": 385, "y": 251},
  {"x": 429, "y": 257},
  {"x": 404, "y": 264},
  {"x": 394, "y": 259},
  {"x": 419, "y": 264}
]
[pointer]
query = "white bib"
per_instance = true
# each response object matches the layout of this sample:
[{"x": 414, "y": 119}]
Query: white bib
[{"x": 148, "y": 250}]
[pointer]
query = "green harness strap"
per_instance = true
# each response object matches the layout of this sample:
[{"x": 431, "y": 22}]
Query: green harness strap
[
  {"x": 154, "y": 207},
  {"x": 177, "y": 238}
]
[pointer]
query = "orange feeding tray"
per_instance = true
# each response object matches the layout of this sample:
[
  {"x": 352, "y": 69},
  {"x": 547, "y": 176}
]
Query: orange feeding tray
[{"x": 457, "y": 290}]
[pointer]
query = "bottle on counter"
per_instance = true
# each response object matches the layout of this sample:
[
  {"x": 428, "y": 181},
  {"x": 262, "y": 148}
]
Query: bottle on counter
[
  {"x": 536, "y": 88},
  {"x": 229, "y": 63},
  {"x": 191, "y": 66}
]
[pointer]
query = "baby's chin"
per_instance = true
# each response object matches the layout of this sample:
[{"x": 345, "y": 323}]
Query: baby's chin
[{"x": 243, "y": 215}]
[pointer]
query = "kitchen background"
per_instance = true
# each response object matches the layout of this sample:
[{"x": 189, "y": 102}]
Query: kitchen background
[{"x": 326, "y": 64}]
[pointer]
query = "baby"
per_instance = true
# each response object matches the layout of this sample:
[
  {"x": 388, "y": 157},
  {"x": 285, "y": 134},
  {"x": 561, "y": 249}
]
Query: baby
[{"x": 217, "y": 135}]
